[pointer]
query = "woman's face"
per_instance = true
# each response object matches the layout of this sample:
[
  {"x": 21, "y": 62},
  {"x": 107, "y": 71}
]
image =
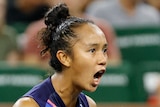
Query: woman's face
[{"x": 89, "y": 57}]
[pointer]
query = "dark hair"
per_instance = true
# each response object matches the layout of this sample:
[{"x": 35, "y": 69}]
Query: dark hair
[{"x": 59, "y": 32}]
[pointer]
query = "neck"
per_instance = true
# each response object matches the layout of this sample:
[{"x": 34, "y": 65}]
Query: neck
[{"x": 65, "y": 89}]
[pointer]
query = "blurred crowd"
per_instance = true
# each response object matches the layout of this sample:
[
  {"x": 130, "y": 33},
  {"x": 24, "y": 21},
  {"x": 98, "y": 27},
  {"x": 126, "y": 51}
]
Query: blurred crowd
[{"x": 20, "y": 21}]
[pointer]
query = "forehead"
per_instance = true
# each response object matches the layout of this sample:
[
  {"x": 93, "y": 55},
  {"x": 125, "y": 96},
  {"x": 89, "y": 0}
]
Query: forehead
[{"x": 90, "y": 33}]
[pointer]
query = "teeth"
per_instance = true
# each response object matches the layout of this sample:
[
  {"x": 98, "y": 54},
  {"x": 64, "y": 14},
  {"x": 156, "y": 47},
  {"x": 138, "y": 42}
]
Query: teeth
[{"x": 100, "y": 71}]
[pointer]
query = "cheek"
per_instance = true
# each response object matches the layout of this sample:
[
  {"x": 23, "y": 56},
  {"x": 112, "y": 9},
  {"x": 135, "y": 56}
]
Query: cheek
[
  {"x": 83, "y": 76},
  {"x": 82, "y": 64},
  {"x": 83, "y": 68},
  {"x": 83, "y": 61}
]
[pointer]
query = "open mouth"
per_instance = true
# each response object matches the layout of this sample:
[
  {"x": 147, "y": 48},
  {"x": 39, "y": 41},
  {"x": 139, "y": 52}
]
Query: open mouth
[{"x": 99, "y": 74}]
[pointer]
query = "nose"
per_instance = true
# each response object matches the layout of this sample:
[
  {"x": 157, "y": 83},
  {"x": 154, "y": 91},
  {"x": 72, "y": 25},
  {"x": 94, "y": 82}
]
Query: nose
[{"x": 102, "y": 59}]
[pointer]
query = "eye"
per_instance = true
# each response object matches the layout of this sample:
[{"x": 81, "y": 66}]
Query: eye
[
  {"x": 92, "y": 50},
  {"x": 105, "y": 50}
]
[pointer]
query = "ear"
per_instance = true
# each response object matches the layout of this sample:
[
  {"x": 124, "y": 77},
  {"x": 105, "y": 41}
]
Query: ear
[{"x": 63, "y": 58}]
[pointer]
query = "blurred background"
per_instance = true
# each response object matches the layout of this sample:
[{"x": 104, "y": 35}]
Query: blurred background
[{"x": 132, "y": 29}]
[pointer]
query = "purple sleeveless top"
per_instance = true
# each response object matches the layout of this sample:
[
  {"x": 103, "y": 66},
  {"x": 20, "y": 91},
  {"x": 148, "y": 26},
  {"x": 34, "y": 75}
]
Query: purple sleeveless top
[{"x": 46, "y": 96}]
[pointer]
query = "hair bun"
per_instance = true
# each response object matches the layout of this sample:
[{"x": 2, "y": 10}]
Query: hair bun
[{"x": 56, "y": 15}]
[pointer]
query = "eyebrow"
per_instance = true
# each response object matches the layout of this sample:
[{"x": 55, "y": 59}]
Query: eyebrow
[
  {"x": 106, "y": 45},
  {"x": 95, "y": 44}
]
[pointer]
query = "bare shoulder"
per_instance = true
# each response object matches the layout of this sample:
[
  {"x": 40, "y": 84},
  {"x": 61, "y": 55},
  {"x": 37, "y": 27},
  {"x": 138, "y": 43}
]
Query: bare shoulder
[
  {"x": 25, "y": 102},
  {"x": 91, "y": 102}
]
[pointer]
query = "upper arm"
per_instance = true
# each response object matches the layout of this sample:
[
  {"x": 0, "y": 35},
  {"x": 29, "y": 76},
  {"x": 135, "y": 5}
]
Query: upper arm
[
  {"x": 91, "y": 102},
  {"x": 26, "y": 102}
]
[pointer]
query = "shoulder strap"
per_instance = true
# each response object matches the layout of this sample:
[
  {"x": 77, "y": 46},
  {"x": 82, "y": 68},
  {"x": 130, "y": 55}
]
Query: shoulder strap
[{"x": 83, "y": 102}]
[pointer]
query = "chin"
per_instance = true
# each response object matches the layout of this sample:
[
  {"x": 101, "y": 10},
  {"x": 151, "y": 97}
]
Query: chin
[{"x": 92, "y": 89}]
